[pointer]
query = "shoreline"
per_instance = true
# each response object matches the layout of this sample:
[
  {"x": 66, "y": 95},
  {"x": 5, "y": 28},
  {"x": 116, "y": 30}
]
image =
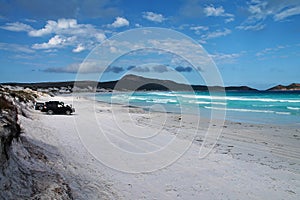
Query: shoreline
[
  {"x": 232, "y": 119},
  {"x": 260, "y": 160}
]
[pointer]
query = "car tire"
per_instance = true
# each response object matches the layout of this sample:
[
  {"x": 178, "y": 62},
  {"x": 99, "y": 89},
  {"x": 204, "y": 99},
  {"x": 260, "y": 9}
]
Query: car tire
[
  {"x": 50, "y": 112},
  {"x": 68, "y": 112}
]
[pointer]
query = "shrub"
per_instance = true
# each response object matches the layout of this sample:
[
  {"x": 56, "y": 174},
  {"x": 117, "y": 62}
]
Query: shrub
[
  {"x": 4, "y": 104},
  {"x": 23, "y": 96}
]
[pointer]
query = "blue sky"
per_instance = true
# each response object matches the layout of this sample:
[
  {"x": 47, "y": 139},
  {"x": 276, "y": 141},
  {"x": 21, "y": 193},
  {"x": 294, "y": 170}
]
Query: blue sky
[{"x": 253, "y": 42}]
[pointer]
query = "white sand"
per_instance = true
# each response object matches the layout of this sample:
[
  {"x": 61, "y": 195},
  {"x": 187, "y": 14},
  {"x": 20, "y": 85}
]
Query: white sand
[{"x": 248, "y": 161}]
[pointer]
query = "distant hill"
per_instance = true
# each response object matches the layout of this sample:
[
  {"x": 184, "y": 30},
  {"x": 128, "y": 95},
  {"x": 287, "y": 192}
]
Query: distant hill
[
  {"x": 133, "y": 82},
  {"x": 128, "y": 82},
  {"x": 291, "y": 87}
]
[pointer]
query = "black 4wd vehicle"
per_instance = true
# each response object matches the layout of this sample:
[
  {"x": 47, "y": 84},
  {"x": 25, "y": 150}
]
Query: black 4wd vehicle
[
  {"x": 56, "y": 107},
  {"x": 39, "y": 106}
]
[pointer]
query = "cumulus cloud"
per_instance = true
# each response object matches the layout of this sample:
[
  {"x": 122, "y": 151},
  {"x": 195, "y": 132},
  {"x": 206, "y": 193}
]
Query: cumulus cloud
[
  {"x": 62, "y": 25},
  {"x": 119, "y": 22},
  {"x": 68, "y": 27},
  {"x": 55, "y": 42},
  {"x": 151, "y": 16},
  {"x": 67, "y": 32},
  {"x": 79, "y": 48}
]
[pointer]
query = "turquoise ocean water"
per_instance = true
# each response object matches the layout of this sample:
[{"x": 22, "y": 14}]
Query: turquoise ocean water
[{"x": 251, "y": 107}]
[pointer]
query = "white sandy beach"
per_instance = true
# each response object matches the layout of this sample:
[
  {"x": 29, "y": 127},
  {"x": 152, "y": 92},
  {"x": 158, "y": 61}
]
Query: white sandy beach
[{"x": 248, "y": 162}]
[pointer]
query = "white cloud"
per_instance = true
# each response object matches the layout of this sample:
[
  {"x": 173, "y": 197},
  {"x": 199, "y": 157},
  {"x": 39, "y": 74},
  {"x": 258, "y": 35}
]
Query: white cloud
[
  {"x": 67, "y": 32},
  {"x": 216, "y": 34},
  {"x": 260, "y": 10},
  {"x": 287, "y": 13},
  {"x": 212, "y": 11},
  {"x": 222, "y": 58},
  {"x": 49, "y": 28},
  {"x": 55, "y": 42},
  {"x": 151, "y": 16},
  {"x": 17, "y": 27},
  {"x": 31, "y": 20},
  {"x": 218, "y": 12},
  {"x": 15, "y": 48},
  {"x": 79, "y": 48},
  {"x": 86, "y": 67},
  {"x": 199, "y": 29},
  {"x": 272, "y": 51},
  {"x": 72, "y": 68},
  {"x": 113, "y": 49},
  {"x": 99, "y": 36},
  {"x": 119, "y": 22},
  {"x": 257, "y": 8},
  {"x": 255, "y": 27},
  {"x": 184, "y": 47},
  {"x": 65, "y": 27},
  {"x": 149, "y": 67},
  {"x": 229, "y": 20}
]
